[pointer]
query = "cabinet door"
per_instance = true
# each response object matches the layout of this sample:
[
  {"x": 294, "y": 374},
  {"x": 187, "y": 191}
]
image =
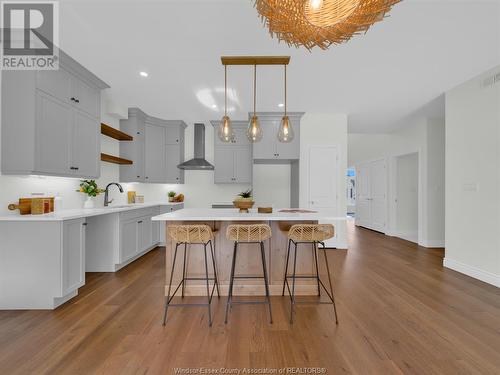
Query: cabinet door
[
  {"x": 175, "y": 135},
  {"x": 224, "y": 165},
  {"x": 174, "y": 174},
  {"x": 155, "y": 228},
  {"x": 290, "y": 151},
  {"x": 53, "y": 135},
  {"x": 56, "y": 83},
  {"x": 266, "y": 147},
  {"x": 73, "y": 255},
  {"x": 129, "y": 237},
  {"x": 86, "y": 146},
  {"x": 243, "y": 165},
  {"x": 155, "y": 161},
  {"x": 87, "y": 97},
  {"x": 145, "y": 229}
]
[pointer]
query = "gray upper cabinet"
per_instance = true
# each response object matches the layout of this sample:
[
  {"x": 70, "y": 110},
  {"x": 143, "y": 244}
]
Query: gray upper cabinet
[
  {"x": 156, "y": 151},
  {"x": 270, "y": 149},
  {"x": 55, "y": 116},
  {"x": 233, "y": 160}
]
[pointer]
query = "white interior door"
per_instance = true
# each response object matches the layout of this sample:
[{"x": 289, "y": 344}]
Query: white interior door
[
  {"x": 323, "y": 172},
  {"x": 371, "y": 190}
]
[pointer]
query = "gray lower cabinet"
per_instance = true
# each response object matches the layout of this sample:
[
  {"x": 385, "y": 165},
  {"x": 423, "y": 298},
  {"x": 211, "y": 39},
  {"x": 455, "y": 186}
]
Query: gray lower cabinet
[
  {"x": 55, "y": 116},
  {"x": 157, "y": 149},
  {"x": 233, "y": 160},
  {"x": 73, "y": 255},
  {"x": 129, "y": 241},
  {"x": 270, "y": 149},
  {"x": 138, "y": 232}
]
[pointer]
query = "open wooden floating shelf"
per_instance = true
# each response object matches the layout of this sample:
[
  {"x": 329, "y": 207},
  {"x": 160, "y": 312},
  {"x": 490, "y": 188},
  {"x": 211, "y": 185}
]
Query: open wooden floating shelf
[
  {"x": 115, "y": 133},
  {"x": 115, "y": 159}
]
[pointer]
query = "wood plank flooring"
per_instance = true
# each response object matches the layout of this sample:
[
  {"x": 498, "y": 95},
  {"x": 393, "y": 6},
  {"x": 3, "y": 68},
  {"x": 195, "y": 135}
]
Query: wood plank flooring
[{"x": 400, "y": 312}]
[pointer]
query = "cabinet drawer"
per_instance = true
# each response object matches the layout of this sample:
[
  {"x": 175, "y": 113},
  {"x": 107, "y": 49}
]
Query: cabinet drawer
[{"x": 137, "y": 213}]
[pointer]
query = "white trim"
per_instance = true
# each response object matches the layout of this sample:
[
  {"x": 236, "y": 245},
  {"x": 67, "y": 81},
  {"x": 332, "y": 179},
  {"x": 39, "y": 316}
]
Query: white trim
[
  {"x": 472, "y": 271},
  {"x": 432, "y": 243},
  {"x": 411, "y": 236}
]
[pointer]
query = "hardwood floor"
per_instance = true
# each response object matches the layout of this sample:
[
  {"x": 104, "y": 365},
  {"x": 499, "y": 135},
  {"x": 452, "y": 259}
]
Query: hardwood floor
[{"x": 399, "y": 312}]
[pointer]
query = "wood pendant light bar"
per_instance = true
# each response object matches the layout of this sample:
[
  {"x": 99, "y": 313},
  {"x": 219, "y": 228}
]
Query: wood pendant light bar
[{"x": 255, "y": 60}]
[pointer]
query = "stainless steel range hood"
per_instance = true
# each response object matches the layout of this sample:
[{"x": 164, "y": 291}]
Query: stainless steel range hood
[{"x": 198, "y": 162}]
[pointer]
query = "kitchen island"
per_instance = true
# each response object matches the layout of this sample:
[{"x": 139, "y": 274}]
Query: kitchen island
[{"x": 247, "y": 263}]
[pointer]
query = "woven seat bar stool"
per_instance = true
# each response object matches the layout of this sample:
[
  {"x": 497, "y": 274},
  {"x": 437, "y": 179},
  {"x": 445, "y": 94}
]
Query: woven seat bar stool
[
  {"x": 311, "y": 234},
  {"x": 256, "y": 234},
  {"x": 192, "y": 235}
]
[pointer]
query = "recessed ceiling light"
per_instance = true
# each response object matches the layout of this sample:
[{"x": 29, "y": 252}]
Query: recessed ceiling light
[
  {"x": 281, "y": 105},
  {"x": 214, "y": 106},
  {"x": 143, "y": 74}
]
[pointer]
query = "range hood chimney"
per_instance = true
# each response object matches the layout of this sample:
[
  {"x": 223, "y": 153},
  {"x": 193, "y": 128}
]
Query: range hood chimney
[{"x": 198, "y": 162}]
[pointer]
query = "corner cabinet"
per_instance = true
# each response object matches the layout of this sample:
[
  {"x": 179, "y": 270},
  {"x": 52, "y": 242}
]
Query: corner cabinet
[
  {"x": 233, "y": 160},
  {"x": 156, "y": 151},
  {"x": 51, "y": 121},
  {"x": 270, "y": 149}
]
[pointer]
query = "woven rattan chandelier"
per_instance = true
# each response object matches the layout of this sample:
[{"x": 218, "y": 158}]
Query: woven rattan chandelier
[{"x": 320, "y": 23}]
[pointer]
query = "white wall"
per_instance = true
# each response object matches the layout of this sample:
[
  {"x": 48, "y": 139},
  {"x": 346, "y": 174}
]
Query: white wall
[
  {"x": 473, "y": 179},
  {"x": 407, "y": 197},
  {"x": 319, "y": 129},
  {"x": 425, "y": 137}
]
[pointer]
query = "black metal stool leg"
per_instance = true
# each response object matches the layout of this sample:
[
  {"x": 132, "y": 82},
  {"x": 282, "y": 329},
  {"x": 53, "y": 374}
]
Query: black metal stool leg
[
  {"x": 215, "y": 269},
  {"x": 264, "y": 268},
  {"x": 184, "y": 271},
  {"x": 330, "y": 282},
  {"x": 292, "y": 302},
  {"x": 315, "y": 251},
  {"x": 167, "y": 301},
  {"x": 208, "y": 288},
  {"x": 231, "y": 281},
  {"x": 286, "y": 268}
]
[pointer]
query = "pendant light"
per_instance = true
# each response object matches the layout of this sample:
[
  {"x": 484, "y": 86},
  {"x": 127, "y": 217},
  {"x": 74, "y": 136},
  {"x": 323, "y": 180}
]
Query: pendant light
[
  {"x": 254, "y": 131},
  {"x": 285, "y": 133},
  {"x": 226, "y": 133}
]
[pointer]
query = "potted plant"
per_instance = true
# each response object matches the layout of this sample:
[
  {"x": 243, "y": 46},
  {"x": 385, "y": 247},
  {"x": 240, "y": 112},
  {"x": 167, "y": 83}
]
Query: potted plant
[
  {"x": 171, "y": 196},
  {"x": 244, "y": 200},
  {"x": 90, "y": 188}
]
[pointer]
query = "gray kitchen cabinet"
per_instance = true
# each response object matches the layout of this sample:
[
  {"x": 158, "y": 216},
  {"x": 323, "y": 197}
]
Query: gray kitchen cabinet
[
  {"x": 175, "y": 157},
  {"x": 53, "y": 135},
  {"x": 224, "y": 165},
  {"x": 233, "y": 160},
  {"x": 157, "y": 149},
  {"x": 270, "y": 149},
  {"x": 129, "y": 239},
  {"x": 73, "y": 255},
  {"x": 86, "y": 145},
  {"x": 54, "y": 115}
]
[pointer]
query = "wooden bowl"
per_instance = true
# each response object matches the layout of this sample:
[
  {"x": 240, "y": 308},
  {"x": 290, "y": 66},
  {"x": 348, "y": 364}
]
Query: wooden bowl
[
  {"x": 265, "y": 210},
  {"x": 243, "y": 205}
]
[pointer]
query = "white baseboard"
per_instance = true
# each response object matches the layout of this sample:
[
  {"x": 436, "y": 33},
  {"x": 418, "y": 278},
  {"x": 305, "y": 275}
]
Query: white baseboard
[
  {"x": 411, "y": 236},
  {"x": 472, "y": 271},
  {"x": 432, "y": 243}
]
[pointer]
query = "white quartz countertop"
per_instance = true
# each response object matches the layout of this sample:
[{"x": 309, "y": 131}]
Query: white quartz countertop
[
  {"x": 233, "y": 214},
  {"x": 79, "y": 213}
]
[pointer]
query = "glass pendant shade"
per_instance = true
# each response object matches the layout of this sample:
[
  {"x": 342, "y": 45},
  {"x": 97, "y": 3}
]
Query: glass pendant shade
[
  {"x": 285, "y": 133},
  {"x": 254, "y": 131},
  {"x": 226, "y": 132}
]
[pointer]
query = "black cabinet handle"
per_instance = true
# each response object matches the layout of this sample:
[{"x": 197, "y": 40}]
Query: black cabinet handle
[
  {"x": 72, "y": 99},
  {"x": 139, "y": 222},
  {"x": 147, "y": 178},
  {"x": 138, "y": 176},
  {"x": 177, "y": 178},
  {"x": 73, "y": 168},
  {"x": 84, "y": 224}
]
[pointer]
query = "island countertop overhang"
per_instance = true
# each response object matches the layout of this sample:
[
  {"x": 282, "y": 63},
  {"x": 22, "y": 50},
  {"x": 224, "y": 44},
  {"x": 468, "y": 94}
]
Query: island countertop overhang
[{"x": 229, "y": 214}]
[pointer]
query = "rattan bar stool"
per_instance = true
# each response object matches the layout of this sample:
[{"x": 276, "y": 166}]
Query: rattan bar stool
[
  {"x": 192, "y": 235},
  {"x": 253, "y": 233},
  {"x": 311, "y": 234}
]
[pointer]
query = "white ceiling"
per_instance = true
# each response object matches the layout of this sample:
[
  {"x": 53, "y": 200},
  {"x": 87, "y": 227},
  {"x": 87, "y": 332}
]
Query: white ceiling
[{"x": 401, "y": 65}]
